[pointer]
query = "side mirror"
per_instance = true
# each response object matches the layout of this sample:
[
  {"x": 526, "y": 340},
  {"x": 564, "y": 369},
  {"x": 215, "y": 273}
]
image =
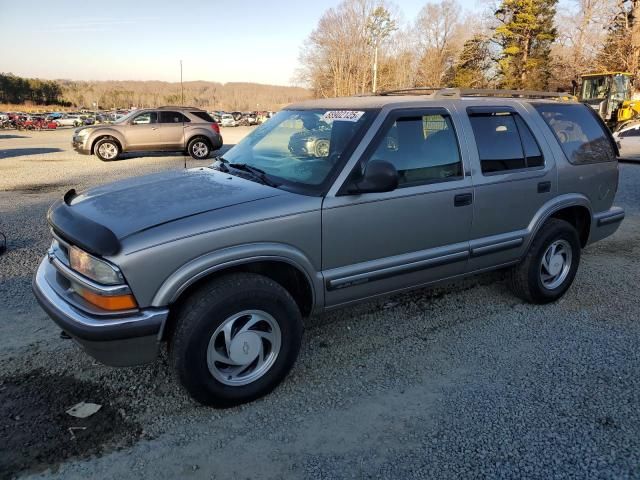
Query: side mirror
[{"x": 378, "y": 176}]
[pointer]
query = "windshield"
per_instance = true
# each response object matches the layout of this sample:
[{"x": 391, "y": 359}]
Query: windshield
[
  {"x": 299, "y": 147},
  {"x": 125, "y": 118},
  {"x": 621, "y": 87},
  {"x": 595, "y": 88}
]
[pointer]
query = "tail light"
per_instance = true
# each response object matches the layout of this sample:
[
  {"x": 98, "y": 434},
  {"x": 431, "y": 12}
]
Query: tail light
[{"x": 215, "y": 127}]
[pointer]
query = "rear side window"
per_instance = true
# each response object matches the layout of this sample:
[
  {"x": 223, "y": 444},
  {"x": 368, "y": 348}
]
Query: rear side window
[
  {"x": 583, "y": 138},
  {"x": 504, "y": 142},
  {"x": 173, "y": 117},
  {"x": 204, "y": 116},
  {"x": 633, "y": 132}
]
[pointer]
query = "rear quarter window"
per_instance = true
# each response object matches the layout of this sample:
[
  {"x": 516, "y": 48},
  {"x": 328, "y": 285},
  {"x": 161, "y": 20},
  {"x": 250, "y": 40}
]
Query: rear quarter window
[
  {"x": 583, "y": 138},
  {"x": 203, "y": 116}
]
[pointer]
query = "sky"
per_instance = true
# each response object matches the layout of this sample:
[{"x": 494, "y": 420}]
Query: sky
[{"x": 222, "y": 41}]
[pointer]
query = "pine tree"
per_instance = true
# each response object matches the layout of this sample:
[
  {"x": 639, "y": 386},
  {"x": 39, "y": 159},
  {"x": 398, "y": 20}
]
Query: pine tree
[
  {"x": 473, "y": 66},
  {"x": 525, "y": 35}
]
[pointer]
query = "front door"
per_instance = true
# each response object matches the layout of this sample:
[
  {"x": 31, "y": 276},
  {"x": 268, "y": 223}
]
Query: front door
[
  {"x": 143, "y": 132},
  {"x": 376, "y": 243}
]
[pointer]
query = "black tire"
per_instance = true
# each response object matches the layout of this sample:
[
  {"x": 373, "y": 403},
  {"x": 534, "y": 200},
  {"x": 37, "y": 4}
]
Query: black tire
[
  {"x": 208, "y": 308},
  {"x": 525, "y": 280},
  {"x": 199, "y": 148},
  {"x": 112, "y": 144}
]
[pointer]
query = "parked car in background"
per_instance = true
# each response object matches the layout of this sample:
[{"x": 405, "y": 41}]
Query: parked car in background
[
  {"x": 69, "y": 121},
  {"x": 227, "y": 120},
  {"x": 156, "y": 129},
  {"x": 628, "y": 139},
  {"x": 224, "y": 262}
]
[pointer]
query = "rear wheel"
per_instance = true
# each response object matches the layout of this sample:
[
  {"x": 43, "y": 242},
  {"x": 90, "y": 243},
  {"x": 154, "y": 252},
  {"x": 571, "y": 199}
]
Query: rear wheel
[
  {"x": 235, "y": 339},
  {"x": 550, "y": 266},
  {"x": 199, "y": 148},
  {"x": 107, "y": 149}
]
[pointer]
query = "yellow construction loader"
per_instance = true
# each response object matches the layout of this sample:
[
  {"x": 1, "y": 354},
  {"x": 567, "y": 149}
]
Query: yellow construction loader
[{"x": 610, "y": 95}]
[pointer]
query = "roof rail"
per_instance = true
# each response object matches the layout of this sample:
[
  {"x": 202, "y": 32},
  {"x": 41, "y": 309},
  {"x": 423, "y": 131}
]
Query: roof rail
[
  {"x": 440, "y": 92},
  {"x": 186, "y": 107},
  {"x": 405, "y": 91}
]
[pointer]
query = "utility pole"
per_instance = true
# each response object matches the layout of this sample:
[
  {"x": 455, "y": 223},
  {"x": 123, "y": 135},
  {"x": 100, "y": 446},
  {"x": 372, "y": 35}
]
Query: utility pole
[
  {"x": 375, "y": 67},
  {"x": 181, "y": 86},
  {"x": 379, "y": 27}
]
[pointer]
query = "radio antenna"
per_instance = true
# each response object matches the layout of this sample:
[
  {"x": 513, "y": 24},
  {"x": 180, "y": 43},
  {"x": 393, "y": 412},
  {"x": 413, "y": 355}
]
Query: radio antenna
[{"x": 182, "y": 103}]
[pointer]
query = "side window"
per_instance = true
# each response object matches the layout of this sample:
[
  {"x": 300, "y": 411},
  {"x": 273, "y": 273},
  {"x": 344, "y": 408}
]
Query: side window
[
  {"x": 173, "y": 117},
  {"x": 582, "y": 136},
  {"x": 204, "y": 116},
  {"x": 632, "y": 132},
  {"x": 504, "y": 142},
  {"x": 145, "y": 118},
  {"x": 423, "y": 148}
]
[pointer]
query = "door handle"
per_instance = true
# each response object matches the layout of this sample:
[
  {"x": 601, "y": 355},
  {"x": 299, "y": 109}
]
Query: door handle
[
  {"x": 544, "y": 187},
  {"x": 463, "y": 199}
]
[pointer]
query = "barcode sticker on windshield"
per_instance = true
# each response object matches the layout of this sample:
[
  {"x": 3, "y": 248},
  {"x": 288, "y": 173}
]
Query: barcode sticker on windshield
[{"x": 343, "y": 115}]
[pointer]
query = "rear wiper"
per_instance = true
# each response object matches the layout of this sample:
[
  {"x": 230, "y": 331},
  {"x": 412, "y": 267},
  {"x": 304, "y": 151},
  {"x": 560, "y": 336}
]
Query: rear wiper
[{"x": 255, "y": 172}]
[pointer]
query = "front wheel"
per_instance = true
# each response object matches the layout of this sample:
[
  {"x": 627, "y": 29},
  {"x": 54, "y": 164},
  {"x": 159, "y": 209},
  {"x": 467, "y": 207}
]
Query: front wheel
[
  {"x": 235, "y": 339},
  {"x": 550, "y": 266},
  {"x": 199, "y": 148},
  {"x": 107, "y": 149}
]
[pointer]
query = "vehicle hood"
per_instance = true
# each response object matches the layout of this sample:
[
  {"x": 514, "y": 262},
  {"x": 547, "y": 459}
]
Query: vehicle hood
[{"x": 133, "y": 205}]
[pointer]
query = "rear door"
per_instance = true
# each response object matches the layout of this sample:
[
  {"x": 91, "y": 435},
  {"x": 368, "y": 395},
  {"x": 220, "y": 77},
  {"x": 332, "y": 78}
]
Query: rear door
[
  {"x": 143, "y": 132},
  {"x": 375, "y": 243},
  {"x": 172, "y": 129},
  {"x": 514, "y": 175}
]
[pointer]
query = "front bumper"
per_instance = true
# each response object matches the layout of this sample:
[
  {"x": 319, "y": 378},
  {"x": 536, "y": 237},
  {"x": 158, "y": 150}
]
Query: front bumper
[
  {"x": 130, "y": 339},
  {"x": 79, "y": 144}
]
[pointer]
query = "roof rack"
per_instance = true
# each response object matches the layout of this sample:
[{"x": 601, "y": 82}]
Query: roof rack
[{"x": 439, "y": 92}]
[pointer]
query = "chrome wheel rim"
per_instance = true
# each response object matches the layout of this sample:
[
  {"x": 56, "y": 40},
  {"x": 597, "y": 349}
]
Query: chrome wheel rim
[
  {"x": 108, "y": 150},
  {"x": 200, "y": 149},
  {"x": 322, "y": 148},
  {"x": 244, "y": 347},
  {"x": 556, "y": 264}
]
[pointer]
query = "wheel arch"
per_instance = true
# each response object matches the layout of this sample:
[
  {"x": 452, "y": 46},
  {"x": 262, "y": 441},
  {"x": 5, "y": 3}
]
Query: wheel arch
[
  {"x": 108, "y": 134},
  {"x": 280, "y": 262},
  {"x": 572, "y": 208},
  {"x": 283, "y": 271}
]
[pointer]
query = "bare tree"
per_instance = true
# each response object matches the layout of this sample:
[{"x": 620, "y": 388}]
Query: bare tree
[
  {"x": 582, "y": 28},
  {"x": 441, "y": 34}
]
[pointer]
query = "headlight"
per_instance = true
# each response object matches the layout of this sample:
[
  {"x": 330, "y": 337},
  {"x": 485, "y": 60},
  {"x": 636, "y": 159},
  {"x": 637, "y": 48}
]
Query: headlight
[
  {"x": 93, "y": 268},
  {"x": 83, "y": 133}
]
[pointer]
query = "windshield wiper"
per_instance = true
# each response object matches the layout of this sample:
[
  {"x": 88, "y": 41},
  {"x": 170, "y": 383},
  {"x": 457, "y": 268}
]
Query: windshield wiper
[
  {"x": 220, "y": 163},
  {"x": 255, "y": 172}
]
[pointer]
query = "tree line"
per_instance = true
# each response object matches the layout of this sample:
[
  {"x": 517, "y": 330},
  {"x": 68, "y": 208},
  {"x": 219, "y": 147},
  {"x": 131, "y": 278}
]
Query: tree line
[
  {"x": 233, "y": 96},
  {"x": 127, "y": 94},
  {"x": 516, "y": 44},
  {"x": 17, "y": 90}
]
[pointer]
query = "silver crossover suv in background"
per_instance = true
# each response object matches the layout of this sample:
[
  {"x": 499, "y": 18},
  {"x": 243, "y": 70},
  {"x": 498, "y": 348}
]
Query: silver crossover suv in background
[
  {"x": 222, "y": 263},
  {"x": 165, "y": 129}
]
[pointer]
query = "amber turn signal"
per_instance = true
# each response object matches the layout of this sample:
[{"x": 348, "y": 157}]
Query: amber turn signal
[{"x": 118, "y": 302}]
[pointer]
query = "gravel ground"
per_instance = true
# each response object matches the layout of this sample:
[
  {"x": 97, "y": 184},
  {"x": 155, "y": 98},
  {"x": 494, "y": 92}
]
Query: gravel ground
[{"x": 460, "y": 382}]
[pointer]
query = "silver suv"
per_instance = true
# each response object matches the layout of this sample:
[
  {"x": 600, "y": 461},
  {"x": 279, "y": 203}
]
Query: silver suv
[
  {"x": 159, "y": 129},
  {"x": 222, "y": 263}
]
